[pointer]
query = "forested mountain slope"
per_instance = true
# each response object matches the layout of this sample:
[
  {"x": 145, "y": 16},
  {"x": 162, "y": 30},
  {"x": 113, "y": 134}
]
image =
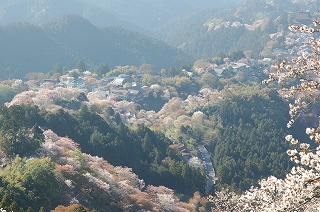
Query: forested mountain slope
[
  {"x": 38, "y": 157},
  {"x": 68, "y": 40},
  {"x": 26, "y": 48}
]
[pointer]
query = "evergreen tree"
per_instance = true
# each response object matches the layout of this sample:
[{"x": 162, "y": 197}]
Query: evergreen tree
[
  {"x": 5, "y": 202},
  {"x": 14, "y": 206},
  {"x": 102, "y": 69},
  {"x": 81, "y": 66}
]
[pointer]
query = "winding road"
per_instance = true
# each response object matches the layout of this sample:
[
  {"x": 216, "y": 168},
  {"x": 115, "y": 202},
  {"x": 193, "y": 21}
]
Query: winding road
[{"x": 208, "y": 167}]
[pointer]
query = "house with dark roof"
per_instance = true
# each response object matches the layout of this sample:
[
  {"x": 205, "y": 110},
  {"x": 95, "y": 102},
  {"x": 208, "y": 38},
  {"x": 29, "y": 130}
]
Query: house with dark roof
[
  {"x": 219, "y": 71},
  {"x": 135, "y": 95}
]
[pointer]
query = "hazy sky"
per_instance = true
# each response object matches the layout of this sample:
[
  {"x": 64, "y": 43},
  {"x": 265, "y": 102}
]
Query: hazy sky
[{"x": 143, "y": 13}]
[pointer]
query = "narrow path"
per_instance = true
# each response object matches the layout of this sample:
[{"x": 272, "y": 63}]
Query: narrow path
[{"x": 208, "y": 167}]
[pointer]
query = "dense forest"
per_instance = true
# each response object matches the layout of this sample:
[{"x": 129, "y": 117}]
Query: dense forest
[
  {"x": 148, "y": 153},
  {"x": 250, "y": 147}
]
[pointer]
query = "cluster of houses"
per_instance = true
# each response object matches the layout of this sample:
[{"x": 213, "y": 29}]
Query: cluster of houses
[
  {"x": 243, "y": 70},
  {"x": 229, "y": 69},
  {"x": 123, "y": 87},
  {"x": 131, "y": 88}
]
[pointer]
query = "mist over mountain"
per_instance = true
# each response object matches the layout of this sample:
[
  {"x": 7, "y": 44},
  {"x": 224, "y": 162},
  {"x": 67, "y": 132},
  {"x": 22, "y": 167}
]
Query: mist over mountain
[
  {"x": 139, "y": 14},
  {"x": 67, "y": 40}
]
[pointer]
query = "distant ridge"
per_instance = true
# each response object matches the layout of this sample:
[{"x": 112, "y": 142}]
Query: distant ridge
[
  {"x": 137, "y": 15},
  {"x": 66, "y": 40}
]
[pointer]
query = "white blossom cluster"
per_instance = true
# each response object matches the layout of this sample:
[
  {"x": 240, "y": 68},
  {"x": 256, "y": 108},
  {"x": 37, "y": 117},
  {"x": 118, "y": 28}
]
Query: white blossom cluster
[
  {"x": 225, "y": 200},
  {"x": 96, "y": 181},
  {"x": 289, "y": 194},
  {"x": 46, "y": 98}
]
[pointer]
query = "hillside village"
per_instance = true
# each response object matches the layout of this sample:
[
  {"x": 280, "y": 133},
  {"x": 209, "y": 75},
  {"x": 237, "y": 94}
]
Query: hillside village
[{"x": 132, "y": 88}]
